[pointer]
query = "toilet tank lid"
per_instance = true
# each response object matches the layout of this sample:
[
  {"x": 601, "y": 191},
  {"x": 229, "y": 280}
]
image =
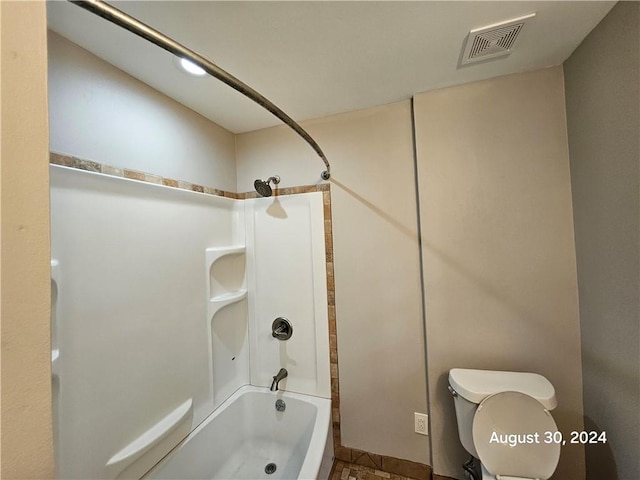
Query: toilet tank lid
[{"x": 476, "y": 385}]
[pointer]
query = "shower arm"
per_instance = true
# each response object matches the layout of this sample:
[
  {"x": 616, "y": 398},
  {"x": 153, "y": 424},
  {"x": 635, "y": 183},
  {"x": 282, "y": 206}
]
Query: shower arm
[{"x": 136, "y": 27}]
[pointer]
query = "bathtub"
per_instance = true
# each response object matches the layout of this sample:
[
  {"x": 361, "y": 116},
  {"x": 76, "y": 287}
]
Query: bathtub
[{"x": 246, "y": 437}]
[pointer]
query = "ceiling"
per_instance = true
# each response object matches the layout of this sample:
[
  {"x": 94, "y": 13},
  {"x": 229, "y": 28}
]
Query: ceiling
[{"x": 314, "y": 59}]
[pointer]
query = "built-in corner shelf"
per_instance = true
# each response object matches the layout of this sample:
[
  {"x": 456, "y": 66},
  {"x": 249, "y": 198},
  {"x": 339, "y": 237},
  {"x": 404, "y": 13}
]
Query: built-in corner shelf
[
  {"x": 227, "y": 319},
  {"x": 148, "y": 439},
  {"x": 225, "y": 276}
]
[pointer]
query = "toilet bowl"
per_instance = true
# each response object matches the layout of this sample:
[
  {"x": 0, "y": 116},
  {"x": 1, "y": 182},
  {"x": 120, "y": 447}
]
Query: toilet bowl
[{"x": 504, "y": 421}]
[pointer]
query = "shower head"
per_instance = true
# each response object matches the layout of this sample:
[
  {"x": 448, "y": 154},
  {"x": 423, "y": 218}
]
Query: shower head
[{"x": 263, "y": 187}]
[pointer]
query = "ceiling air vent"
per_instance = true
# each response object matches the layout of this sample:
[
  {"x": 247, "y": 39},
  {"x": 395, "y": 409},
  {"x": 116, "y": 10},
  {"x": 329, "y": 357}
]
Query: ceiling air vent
[{"x": 494, "y": 40}]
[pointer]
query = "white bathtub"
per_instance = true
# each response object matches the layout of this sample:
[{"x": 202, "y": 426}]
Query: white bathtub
[{"x": 246, "y": 433}]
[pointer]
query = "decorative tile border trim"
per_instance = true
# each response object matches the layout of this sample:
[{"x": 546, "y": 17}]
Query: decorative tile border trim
[
  {"x": 331, "y": 313},
  {"x": 277, "y": 192},
  {"x": 91, "y": 166}
]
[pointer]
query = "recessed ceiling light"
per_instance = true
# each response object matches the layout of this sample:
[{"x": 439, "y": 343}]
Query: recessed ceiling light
[{"x": 190, "y": 67}]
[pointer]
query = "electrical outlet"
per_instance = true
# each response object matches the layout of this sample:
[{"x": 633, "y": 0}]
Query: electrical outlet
[{"x": 420, "y": 423}]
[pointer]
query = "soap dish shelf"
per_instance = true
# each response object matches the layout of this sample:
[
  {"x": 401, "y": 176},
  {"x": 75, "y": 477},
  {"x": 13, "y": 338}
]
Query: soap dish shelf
[
  {"x": 148, "y": 439},
  {"x": 220, "y": 301},
  {"x": 215, "y": 253}
]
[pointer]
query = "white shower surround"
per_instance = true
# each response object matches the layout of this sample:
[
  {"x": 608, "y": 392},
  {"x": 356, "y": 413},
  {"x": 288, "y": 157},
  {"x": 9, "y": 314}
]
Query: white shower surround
[
  {"x": 287, "y": 278},
  {"x": 133, "y": 320}
]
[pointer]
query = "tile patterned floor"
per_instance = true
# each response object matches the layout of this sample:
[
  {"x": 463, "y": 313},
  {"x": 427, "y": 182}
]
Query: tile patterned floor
[{"x": 350, "y": 471}]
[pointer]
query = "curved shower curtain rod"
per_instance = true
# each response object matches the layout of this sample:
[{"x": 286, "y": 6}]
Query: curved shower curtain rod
[{"x": 135, "y": 26}]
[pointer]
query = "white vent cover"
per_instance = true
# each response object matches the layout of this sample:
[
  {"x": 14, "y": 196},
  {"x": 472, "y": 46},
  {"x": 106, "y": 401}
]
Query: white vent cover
[{"x": 494, "y": 40}]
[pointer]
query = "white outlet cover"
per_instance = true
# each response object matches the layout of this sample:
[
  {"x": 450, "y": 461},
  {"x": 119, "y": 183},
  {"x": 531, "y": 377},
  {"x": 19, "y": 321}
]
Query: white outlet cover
[{"x": 421, "y": 423}]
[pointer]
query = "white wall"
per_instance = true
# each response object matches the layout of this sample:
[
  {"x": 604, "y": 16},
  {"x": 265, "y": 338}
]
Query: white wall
[
  {"x": 26, "y": 436},
  {"x": 130, "y": 304},
  {"x": 100, "y": 113},
  {"x": 499, "y": 255}
]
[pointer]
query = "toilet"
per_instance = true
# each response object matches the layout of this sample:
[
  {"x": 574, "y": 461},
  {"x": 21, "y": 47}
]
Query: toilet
[{"x": 504, "y": 421}]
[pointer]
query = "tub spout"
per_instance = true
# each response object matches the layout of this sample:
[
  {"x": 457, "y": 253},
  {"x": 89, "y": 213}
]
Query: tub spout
[{"x": 276, "y": 379}]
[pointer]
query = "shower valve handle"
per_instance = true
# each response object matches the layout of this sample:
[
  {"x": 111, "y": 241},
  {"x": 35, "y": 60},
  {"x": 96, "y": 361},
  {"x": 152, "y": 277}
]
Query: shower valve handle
[{"x": 281, "y": 329}]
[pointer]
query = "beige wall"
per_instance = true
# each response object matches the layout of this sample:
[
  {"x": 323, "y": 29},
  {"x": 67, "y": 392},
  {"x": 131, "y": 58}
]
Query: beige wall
[
  {"x": 377, "y": 279},
  {"x": 98, "y": 112},
  {"x": 602, "y": 80},
  {"x": 498, "y": 246},
  {"x": 26, "y": 436}
]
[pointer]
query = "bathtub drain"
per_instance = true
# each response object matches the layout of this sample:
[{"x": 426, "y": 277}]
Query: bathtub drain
[{"x": 270, "y": 468}]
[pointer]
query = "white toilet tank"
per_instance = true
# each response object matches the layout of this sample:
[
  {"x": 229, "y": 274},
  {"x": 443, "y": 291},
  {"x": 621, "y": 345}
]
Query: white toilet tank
[{"x": 469, "y": 387}]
